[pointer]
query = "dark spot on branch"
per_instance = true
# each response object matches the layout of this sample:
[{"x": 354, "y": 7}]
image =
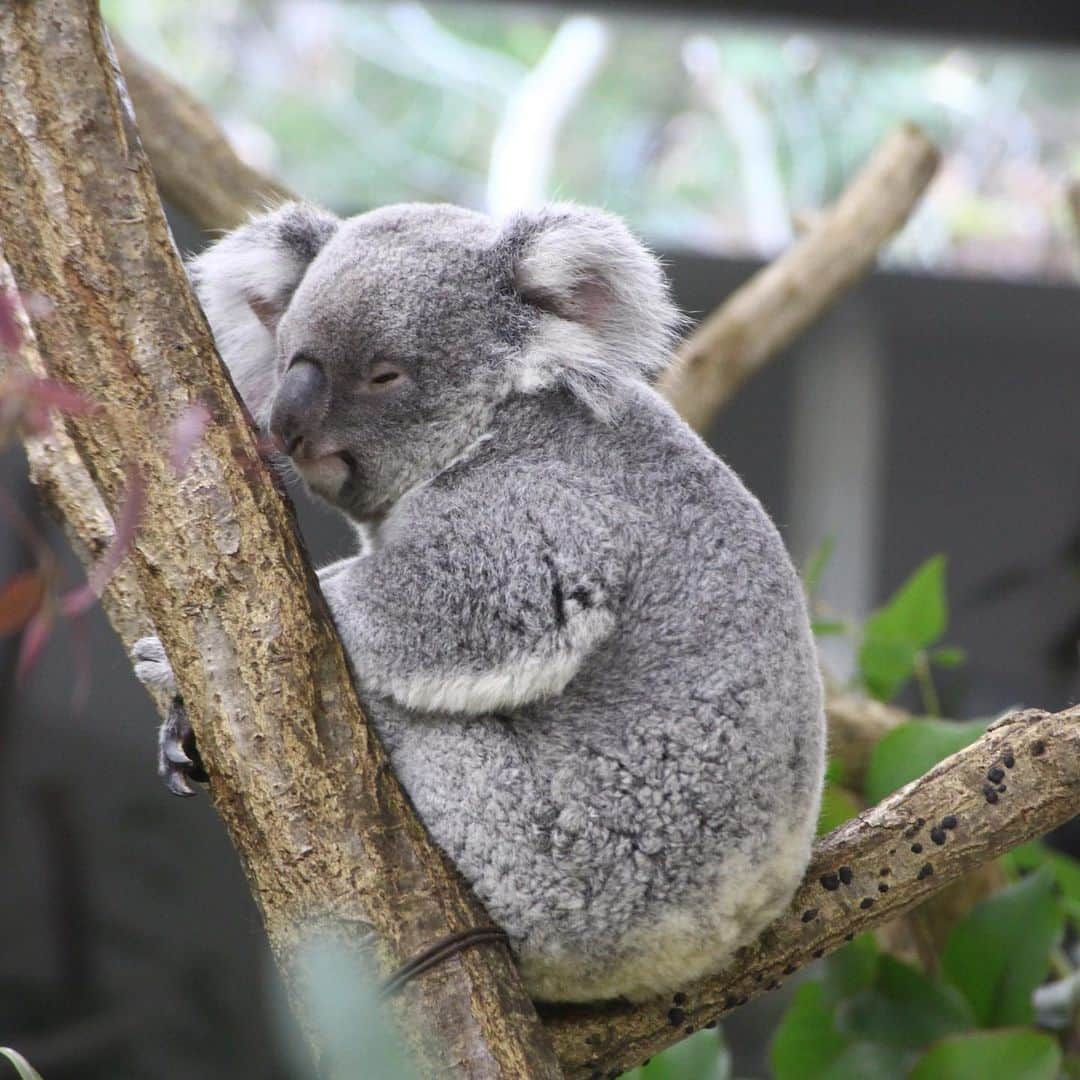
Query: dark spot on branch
[
  {"x": 817, "y": 954},
  {"x": 850, "y": 936},
  {"x": 990, "y": 793},
  {"x": 830, "y": 882},
  {"x": 917, "y": 848},
  {"x": 937, "y": 834},
  {"x": 882, "y": 887},
  {"x": 884, "y": 872},
  {"x": 774, "y": 985},
  {"x": 809, "y": 914},
  {"x": 948, "y": 822},
  {"x": 790, "y": 969},
  {"x": 1008, "y": 760},
  {"x": 846, "y": 876},
  {"x": 926, "y": 871},
  {"x": 995, "y": 775},
  {"x": 679, "y": 999},
  {"x": 1038, "y": 748},
  {"x": 689, "y": 1029},
  {"x": 676, "y": 1017},
  {"x": 867, "y": 902}
]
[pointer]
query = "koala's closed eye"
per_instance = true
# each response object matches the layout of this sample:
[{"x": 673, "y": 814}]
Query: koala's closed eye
[{"x": 382, "y": 377}]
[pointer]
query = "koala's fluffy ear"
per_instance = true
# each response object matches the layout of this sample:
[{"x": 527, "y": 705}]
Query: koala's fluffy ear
[
  {"x": 245, "y": 282},
  {"x": 606, "y": 313}
]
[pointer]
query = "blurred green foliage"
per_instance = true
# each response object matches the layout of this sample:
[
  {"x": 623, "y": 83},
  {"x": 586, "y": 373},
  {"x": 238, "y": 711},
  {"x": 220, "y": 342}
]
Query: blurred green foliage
[{"x": 707, "y": 134}]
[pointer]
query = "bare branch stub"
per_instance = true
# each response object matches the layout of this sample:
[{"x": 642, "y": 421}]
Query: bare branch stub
[
  {"x": 327, "y": 838},
  {"x": 872, "y": 869},
  {"x": 762, "y": 316}
]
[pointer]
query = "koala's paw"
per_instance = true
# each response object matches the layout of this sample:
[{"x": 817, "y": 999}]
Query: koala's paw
[
  {"x": 178, "y": 756},
  {"x": 152, "y": 666}
]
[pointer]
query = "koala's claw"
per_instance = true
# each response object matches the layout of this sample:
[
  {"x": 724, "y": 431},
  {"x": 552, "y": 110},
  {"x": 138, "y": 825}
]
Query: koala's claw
[{"x": 178, "y": 757}]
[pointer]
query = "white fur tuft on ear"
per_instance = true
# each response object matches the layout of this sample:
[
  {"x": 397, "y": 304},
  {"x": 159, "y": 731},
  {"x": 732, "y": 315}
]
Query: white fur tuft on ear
[
  {"x": 605, "y": 313},
  {"x": 245, "y": 282}
]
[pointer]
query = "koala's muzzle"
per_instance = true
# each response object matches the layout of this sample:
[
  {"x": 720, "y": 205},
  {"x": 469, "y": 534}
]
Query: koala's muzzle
[{"x": 299, "y": 405}]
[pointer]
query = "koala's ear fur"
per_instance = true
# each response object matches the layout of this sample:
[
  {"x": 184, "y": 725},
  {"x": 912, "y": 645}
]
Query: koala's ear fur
[
  {"x": 606, "y": 312},
  {"x": 245, "y": 282}
]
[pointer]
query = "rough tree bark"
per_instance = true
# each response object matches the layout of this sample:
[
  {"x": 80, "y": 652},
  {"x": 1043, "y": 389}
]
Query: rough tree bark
[
  {"x": 304, "y": 789},
  {"x": 330, "y": 845}
]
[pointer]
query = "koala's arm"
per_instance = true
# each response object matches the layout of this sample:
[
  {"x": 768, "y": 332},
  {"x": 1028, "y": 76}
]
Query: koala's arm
[{"x": 472, "y": 607}]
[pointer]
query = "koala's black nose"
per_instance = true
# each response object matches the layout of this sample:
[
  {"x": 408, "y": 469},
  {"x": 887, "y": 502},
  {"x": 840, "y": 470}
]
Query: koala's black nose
[{"x": 299, "y": 405}]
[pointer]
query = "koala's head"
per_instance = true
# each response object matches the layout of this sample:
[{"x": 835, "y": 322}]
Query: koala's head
[{"x": 377, "y": 348}]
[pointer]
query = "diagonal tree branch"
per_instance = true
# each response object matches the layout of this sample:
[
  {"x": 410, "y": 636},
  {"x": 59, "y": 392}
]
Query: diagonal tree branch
[
  {"x": 330, "y": 845},
  {"x": 775, "y": 305},
  {"x": 1017, "y": 782}
]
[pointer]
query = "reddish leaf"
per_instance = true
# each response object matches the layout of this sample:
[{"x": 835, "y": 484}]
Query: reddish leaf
[
  {"x": 33, "y": 641},
  {"x": 20, "y": 599}
]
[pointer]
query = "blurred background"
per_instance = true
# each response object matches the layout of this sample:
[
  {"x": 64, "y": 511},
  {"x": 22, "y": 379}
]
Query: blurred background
[{"x": 933, "y": 411}]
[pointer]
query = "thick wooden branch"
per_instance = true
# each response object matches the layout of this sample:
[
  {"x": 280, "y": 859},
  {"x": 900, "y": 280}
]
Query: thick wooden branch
[
  {"x": 781, "y": 300},
  {"x": 1017, "y": 782},
  {"x": 196, "y": 168},
  {"x": 331, "y": 847}
]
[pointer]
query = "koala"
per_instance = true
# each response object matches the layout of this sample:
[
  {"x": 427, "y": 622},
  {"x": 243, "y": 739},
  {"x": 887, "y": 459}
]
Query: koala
[{"x": 578, "y": 635}]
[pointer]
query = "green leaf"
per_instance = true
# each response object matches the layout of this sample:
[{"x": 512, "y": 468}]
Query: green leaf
[
  {"x": 912, "y": 749},
  {"x": 23, "y": 1067},
  {"x": 999, "y": 952},
  {"x": 1018, "y": 1055},
  {"x": 904, "y": 1009},
  {"x": 837, "y": 806},
  {"x": 700, "y": 1057},
  {"x": 850, "y": 970},
  {"x": 913, "y": 619},
  {"x": 816, "y": 564},
  {"x": 1065, "y": 868},
  {"x": 885, "y": 665},
  {"x": 807, "y": 1042}
]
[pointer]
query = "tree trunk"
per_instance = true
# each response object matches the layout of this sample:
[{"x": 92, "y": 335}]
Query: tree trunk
[{"x": 331, "y": 847}]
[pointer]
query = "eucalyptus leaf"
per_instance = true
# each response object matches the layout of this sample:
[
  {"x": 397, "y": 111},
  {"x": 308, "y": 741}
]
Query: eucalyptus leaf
[
  {"x": 807, "y": 1041},
  {"x": 999, "y": 952},
  {"x": 911, "y": 621},
  {"x": 904, "y": 1009},
  {"x": 912, "y": 749},
  {"x": 1017, "y": 1055},
  {"x": 850, "y": 970}
]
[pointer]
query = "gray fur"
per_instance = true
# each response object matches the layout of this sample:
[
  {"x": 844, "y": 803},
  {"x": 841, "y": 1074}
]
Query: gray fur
[{"x": 578, "y": 634}]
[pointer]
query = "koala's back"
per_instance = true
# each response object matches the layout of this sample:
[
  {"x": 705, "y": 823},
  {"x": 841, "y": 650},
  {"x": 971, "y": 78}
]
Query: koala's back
[{"x": 633, "y": 831}]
